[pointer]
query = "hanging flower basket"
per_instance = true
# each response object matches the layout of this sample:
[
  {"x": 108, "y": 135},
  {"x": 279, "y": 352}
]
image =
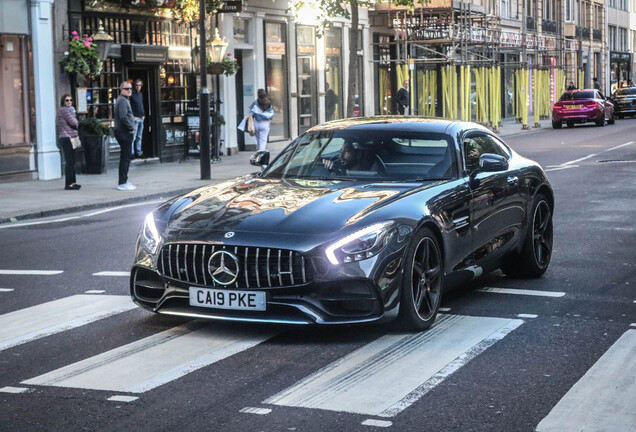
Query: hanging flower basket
[
  {"x": 83, "y": 57},
  {"x": 215, "y": 68}
]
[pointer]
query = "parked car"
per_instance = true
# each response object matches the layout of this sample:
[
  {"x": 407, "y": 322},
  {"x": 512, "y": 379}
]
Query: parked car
[
  {"x": 581, "y": 106},
  {"x": 356, "y": 220},
  {"x": 624, "y": 100}
]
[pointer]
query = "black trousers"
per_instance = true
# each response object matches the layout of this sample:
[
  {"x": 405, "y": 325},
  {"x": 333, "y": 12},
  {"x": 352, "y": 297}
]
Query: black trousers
[
  {"x": 124, "y": 139},
  {"x": 69, "y": 160}
]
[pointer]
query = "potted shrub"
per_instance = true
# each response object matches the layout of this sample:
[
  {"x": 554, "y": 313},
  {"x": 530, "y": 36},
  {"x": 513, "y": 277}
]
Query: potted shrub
[
  {"x": 83, "y": 57},
  {"x": 93, "y": 134}
]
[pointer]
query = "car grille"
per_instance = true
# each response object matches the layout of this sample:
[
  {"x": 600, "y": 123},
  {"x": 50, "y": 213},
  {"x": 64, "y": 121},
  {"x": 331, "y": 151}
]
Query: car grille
[{"x": 257, "y": 267}]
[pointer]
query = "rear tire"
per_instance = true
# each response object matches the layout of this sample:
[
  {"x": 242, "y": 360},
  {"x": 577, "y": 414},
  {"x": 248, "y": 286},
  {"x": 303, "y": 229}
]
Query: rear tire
[
  {"x": 570, "y": 124},
  {"x": 556, "y": 125},
  {"x": 601, "y": 122},
  {"x": 422, "y": 282},
  {"x": 534, "y": 258}
]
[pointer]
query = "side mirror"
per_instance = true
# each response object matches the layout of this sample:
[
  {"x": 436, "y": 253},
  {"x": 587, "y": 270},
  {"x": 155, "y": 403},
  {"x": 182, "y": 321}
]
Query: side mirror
[
  {"x": 489, "y": 162},
  {"x": 260, "y": 158}
]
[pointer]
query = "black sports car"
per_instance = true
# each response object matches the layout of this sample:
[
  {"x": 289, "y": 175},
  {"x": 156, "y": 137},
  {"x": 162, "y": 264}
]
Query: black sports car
[
  {"x": 355, "y": 221},
  {"x": 624, "y": 101}
]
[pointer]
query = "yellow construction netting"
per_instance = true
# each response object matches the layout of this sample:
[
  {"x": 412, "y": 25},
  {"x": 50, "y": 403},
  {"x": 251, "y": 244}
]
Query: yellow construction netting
[
  {"x": 464, "y": 73},
  {"x": 427, "y": 97},
  {"x": 449, "y": 92},
  {"x": 385, "y": 92},
  {"x": 581, "y": 79},
  {"x": 521, "y": 95}
]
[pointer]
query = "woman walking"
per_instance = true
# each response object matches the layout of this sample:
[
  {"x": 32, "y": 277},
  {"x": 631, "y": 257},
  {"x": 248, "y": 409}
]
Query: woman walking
[
  {"x": 262, "y": 112},
  {"x": 67, "y": 126}
]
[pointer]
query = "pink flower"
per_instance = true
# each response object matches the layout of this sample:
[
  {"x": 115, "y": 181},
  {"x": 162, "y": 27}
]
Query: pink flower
[
  {"x": 87, "y": 44},
  {"x": 90, "y": 39},
  {"x": 76, "y": 38},
  {"x": 74, "y": 33},
  {"x": 85, "y": 36}
]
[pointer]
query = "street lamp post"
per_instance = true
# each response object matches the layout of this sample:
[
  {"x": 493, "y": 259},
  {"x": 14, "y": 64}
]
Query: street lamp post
[
  {"x": 204, "y": 101},
  {"x": 103, "y": 41},
  {"x": 219, "y": 46}
]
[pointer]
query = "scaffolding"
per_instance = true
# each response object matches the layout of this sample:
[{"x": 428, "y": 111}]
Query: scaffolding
[{"x": 457, "y": 46}]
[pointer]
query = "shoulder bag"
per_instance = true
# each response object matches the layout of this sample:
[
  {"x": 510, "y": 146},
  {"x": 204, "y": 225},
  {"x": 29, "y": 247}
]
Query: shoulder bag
[{"x": 75, "y": 142}]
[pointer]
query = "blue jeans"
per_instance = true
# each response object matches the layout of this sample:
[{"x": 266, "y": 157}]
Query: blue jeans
[{"x": 138, "y": 131}]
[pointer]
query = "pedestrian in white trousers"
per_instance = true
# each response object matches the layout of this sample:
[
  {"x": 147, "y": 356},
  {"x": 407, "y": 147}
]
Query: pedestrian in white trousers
[{"x": 262, "y": 112}]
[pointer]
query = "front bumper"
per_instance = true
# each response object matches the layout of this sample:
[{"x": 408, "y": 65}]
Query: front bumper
[{"x": 357, "y": 292}]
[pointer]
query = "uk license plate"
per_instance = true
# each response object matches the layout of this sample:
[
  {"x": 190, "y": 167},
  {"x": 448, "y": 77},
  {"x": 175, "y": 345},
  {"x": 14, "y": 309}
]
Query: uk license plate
[
  {"x": 574, "y": 106},
  {"x": 227, "y": 299}
]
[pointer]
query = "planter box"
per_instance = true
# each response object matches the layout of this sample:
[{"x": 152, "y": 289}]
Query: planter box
[{"x": 215, "y": 68}]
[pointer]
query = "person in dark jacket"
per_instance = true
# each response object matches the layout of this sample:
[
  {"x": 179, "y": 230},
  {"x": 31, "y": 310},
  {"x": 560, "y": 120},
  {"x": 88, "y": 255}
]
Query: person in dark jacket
[
  {"x": 139, "y": 114},
  {"x": 404, "y": 99},
  {"x": 124, "y": 128},
  {"x": 67, "y": 126}
]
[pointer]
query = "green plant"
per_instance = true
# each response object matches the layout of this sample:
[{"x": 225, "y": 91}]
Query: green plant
[
  {"x": 83, "y": 57},
  {"x": 92, "y": 126},
  {"x": 229, "y": 65}
]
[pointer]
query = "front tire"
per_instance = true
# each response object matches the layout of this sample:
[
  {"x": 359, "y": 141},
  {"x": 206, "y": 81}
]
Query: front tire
[
  {"x": 422, "y": 282},
  {"x": 534, "y": 258}
]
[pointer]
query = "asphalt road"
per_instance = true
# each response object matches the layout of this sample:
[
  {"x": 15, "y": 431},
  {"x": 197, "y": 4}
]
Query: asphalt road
[{"x": 89, "y": 373}]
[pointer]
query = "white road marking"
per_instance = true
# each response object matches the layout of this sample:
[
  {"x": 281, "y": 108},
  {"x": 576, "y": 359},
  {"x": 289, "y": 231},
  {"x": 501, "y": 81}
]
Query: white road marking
[
  {"x": 571, "y": 163},
  {"x": 522, "y": 292},
  {"x": 153, "y": 361},
  {"x": 32, "y": 272},
  {"x": 604, "y": 400},
  {"x": 14, "y": 390},
  {"x": 68, "y": 218},
  {"x": 121, "y": 398},
  {"x": 53, "y": 317},
  {"x": 377, "y": 423},
  {"x": 350, "y": 384},
  {"x": 112, "y": 273},
  {"x": 557, "y": 168},
  {"x": 632, "y": 325},
  {"x": 254, "y": 410},
  {"x": 527, "y": 315},
  {"x": 6, "y": 289},
  {"x": 94, "y": 292}
]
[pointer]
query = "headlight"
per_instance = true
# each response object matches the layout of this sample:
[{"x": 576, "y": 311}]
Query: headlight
[
  {"x": 360, "y": 245},
  {"x": 149, "y": 235}
]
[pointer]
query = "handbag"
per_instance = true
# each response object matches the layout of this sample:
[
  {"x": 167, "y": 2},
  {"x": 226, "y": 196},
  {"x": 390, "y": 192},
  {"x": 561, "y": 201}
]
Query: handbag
[
  {"x": 75, "y": 142},
  {"x": 250, "y": 125}
]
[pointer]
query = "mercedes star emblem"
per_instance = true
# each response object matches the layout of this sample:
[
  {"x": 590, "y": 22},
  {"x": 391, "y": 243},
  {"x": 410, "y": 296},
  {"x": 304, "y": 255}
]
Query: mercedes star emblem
[
  {"x": 223, "y": 267},
  {"x": 229, "y": 234}
]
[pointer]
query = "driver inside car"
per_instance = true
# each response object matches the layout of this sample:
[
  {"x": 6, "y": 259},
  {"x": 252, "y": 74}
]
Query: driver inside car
[{"x": 350, "y": 159}]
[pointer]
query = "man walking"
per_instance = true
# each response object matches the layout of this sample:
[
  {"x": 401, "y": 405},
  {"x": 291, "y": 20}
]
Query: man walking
[
  {"x": 124, "y": 124},
  {"x": 403, "y": 98},
  {"x": 137, "y": 105}
]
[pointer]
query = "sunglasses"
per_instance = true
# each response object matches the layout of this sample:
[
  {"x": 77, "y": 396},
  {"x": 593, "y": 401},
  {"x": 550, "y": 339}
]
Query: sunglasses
[
  {"x": 127, "y": 88},
  {"x": 68, "y": 100}
]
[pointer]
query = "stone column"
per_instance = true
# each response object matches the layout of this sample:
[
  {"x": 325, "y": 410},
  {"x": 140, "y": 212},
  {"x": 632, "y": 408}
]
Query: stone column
[{"x": 48, "y": 155}]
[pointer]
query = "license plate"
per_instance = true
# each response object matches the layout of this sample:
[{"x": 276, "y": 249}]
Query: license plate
[
  {"x": 573, "y": 106},
  {"x": 227, "y": 299}
]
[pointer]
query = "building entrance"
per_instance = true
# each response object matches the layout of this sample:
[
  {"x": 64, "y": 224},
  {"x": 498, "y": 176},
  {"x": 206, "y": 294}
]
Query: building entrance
[{"x": 150, "y": 91}]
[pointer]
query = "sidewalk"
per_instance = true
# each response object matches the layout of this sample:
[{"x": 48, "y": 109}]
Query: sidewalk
[{"x": 42, "y": 198}]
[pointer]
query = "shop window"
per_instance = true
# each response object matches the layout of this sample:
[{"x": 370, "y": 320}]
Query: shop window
[
  {"x": 276, "y": 77},
  {"x": 333, "y": 74},
  {"x": 174, "y": 85}
]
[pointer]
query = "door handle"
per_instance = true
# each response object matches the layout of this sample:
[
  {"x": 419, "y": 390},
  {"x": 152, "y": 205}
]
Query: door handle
[{"x": 513, "y": 180}]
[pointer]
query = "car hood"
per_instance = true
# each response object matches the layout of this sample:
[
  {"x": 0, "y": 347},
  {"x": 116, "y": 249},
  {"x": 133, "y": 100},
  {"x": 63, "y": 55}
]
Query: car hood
[{"x": 304, "y": 207}]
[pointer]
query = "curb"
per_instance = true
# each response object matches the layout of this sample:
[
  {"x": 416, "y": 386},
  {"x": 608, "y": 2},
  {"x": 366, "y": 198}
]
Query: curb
[{"x": 92, "y": 206}]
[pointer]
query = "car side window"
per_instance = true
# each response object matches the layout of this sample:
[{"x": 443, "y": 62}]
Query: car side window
[{"x": 476, "y": 145}]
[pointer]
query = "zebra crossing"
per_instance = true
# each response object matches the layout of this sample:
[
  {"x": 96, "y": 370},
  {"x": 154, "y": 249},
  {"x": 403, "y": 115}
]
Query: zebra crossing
[{"x": 345, "y": 385}]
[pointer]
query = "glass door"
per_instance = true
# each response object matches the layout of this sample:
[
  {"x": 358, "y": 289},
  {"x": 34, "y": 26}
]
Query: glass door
[{"x": 306, "y": 78}]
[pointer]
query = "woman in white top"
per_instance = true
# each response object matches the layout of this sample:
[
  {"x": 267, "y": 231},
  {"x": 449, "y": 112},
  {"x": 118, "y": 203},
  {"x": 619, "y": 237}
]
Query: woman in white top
[{"x": 262, "y": 112}]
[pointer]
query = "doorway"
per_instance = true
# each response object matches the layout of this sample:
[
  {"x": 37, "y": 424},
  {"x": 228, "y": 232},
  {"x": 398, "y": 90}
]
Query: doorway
[{"x": 150, "y": 93}]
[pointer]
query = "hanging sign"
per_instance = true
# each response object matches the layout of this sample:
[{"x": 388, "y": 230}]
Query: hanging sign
[{"x": 230, "y": 7}]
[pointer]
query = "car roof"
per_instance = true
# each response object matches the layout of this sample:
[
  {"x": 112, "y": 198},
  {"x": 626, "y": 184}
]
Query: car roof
[{"x": 400, "y": 123}]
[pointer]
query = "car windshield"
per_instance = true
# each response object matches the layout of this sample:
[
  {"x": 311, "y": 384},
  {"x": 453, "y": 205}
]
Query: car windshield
[
  {"x": 580, "y": 95},
  {"x": 626, "y": 91},
  {"x": 366, "y": 154}
]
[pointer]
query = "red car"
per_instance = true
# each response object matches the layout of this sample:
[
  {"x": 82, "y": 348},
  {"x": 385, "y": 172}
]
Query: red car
[{"x": 581, "y": 106}]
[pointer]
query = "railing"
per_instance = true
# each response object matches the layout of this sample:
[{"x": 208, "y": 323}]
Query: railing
[
  {"x": 585, "y": 32},
  {"x": 597, "y": 35},
  {"x": 531, "y": 23}
]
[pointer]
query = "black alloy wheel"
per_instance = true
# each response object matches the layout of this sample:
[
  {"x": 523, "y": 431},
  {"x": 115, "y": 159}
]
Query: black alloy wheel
[
  {"x": 422, "y": 282},
  {"x": 537, "y": 250}
]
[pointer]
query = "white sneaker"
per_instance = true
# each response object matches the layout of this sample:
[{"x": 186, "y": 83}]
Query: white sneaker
[{"x": 126, "y": 187}]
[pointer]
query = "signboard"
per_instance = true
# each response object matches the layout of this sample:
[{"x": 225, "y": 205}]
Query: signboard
[
  {"x": 230, "y": 7},
  {"x": 133, "y": 53},
  {"x": 81, "y": 99}
]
